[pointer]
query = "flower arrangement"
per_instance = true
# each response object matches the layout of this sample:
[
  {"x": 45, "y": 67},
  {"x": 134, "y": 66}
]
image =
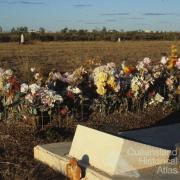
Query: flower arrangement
[
  {"x": 9, "y": 87},
  {"x": 105, "y": 79},
  {"x": 105, "y": 89}
]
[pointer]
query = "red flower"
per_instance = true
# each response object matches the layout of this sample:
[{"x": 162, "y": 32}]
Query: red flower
[
  {"x": 63, "y": 111},
  {"x": 15, "y": 86},
  {"x": 132, "y": 69},
  {"x": 70, "y": 94},
  {"x": 129, "y": 94},
  {"x": 151, "y": 94}
]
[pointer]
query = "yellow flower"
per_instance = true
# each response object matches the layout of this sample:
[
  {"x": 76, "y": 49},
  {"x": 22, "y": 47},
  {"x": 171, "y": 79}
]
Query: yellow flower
[
  {"x": 126, "y": 69},
  {"x": 178, "y": 90},
  {"x": 173, "y": 51},
  {"x": 170, "y": 65},
  {"x": 135, "y": 87},
  {"x": 1, "y": 84},
  {"x": 173, "y": 57},
  {"x": 111, "y": 82},
  {"x": 103, "y": 76},
  {"x": 101, "y": 91},
  {"x": 100, "y": 84}
]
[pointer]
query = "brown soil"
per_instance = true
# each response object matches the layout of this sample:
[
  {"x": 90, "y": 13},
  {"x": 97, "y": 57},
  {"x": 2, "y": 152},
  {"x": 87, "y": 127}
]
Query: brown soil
[
  {"x": 16, "y": 152},
  {"x": 17, "y": 141}
]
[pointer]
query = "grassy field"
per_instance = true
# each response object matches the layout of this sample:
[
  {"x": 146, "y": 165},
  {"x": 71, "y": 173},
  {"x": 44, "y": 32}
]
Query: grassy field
[{"x": 66, "y": 56}]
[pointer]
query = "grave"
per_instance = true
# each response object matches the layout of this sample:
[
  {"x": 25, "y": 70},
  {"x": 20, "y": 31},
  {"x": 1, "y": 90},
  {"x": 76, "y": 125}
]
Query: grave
[
  {"x": 104, "y": 156},
  {"x": 166, "y": 136}
]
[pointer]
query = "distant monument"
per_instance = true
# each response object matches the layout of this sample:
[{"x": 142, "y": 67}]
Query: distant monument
[
  {"x": 22, "y": 39},
  {"x": 119, "y": 39}
]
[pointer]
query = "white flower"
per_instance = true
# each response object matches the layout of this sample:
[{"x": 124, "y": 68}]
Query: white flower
[
  {"x": 147, "y": 60},
  {"x": 8, "y": 72},
  {"x": 58, "y": 98},
  {"x": 74, "y": 90},
  {"x": 36, "y": 76},
  {"x": 34, "y": 88},
  {"x": 158, "y": 98},
  {"x": 164, "y": 60},
  {"x": 33, "y": 69},
  {"x": 140, "y": 65},
  {"x": 49, "y": 98},
  {"x": 7, "y": 86},
  {"x": 123, "y": 64},
  {"x": 157, "y": 74},
  {"x": 1, "y": 71},
  {"x": 117, "y": 88},
  {"x": 57, "y": 75},
  {"x": 146, "y": 86},
  {"x": 111, "y": 65},
  {"x": 24, "y": 88},
  {"x": 152, "y": 102}
]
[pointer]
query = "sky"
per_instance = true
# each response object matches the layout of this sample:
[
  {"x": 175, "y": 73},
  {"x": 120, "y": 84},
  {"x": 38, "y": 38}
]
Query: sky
[{"x": 54, "y": 15}]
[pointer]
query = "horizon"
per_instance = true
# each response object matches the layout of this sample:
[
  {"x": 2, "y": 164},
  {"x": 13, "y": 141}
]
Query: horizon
[{"x": 127, "y": 15}]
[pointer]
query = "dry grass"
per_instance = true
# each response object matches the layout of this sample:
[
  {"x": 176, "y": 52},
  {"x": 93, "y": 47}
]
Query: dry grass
[{"x": 66, "y": 56}]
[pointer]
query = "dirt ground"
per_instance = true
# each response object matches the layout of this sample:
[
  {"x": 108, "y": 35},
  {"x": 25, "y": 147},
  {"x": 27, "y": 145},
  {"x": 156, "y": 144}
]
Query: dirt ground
[
  {"x": 16, "y": 152},
  {"x": 17, "y": 141},
  {"x": 66, "y": 56}
]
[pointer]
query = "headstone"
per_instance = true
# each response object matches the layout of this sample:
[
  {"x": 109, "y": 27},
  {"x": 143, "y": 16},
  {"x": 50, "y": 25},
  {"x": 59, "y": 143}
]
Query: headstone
[
  {"x": 114, "y": 155},
  {"x": 103, "y": 155},
  {"x": 22, "y": 38}
]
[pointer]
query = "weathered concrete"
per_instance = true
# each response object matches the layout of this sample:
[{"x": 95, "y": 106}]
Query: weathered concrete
[
  {"x": 103, "y": 156},
  {"x": 55, "y": 155},
  {"x": 114, "y": 155}
]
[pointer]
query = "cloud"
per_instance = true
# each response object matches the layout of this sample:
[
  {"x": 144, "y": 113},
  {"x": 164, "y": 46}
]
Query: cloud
[
  {"x": 82, "y": 5},
  {"x": 31, "y": 2},
  {"x": 156, "y": 14},
  {"x": 115, "y": 14},
  {"x": 136, "y": 18},
  {"x": 160, "y": 14},
  {"x": 23, "y": 2}
]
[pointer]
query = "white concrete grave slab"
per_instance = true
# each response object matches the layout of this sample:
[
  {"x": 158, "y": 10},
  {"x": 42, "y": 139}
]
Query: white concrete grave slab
[
  {"x": 103, "y": 156},
  {"x": 114, "y": 155}
]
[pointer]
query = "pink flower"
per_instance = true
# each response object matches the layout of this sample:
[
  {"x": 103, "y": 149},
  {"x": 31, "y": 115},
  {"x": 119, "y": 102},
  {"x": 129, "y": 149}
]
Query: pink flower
[
  {"x": 178, "y": 63},
  {"x": 29, "y": 98}
]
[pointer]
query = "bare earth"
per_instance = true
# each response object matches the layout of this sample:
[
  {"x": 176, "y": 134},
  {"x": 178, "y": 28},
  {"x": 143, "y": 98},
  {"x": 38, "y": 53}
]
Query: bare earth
[{"x": 66, "y": 56}]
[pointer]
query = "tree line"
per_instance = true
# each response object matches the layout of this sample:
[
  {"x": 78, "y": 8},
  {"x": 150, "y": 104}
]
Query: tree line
[{"x": 84, "y": 35}]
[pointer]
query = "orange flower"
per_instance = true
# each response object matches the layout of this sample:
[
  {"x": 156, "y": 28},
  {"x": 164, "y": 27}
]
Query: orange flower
[
  {"x": 128, "y": 70},
  {"x": 171, "y": 63}
]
